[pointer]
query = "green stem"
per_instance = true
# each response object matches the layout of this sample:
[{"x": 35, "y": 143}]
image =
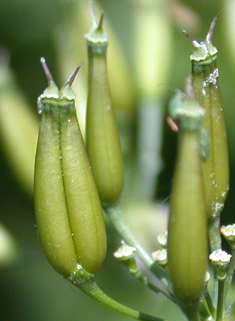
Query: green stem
[
  {"x": 220, "y": 303},
  {"x": 204, "y": 309},
  {"x": 210, "y": 303},
  {"x": 114, "y": 213},
  {"x": 142, "y": 278},
  {"x": 230, "y": 272},
  {"x": 150, "y": 128},
  {"x": 215, "y": 242},
  {"x": 214, "y": 229},
  {"x": 86, "y": 282}
]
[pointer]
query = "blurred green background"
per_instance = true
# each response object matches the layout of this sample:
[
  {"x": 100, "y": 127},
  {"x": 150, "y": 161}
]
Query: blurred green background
[{"x": 29, "y": 288}]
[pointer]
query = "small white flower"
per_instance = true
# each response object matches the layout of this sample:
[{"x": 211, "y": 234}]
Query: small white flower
[
  {"x": 160, "y": 256},
  {"x": 162, "y": 239},
  {"x": 125, "y": 252},
  {"x": 228, "y": 232},
  {"x": 220, "y": 257}
]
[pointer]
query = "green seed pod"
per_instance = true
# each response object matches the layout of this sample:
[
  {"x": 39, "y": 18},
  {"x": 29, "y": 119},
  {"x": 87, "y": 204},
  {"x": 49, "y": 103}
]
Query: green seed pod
[
  {"x": 70, "y": 49},
  {"x": 187, "y": 240},
  {"x": 207, "y": 92},
  {"x": 68, "y": 210},
  {"x": 102, "y": 138}
]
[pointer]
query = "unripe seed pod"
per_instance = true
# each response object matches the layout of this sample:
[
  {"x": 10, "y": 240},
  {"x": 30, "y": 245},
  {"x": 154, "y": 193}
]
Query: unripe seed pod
[
  {"x": 207, "y": 92},
  {"x": 102, "y": 138},
  {"x": 68, "y": 210},
  {"x": 187, "y": 239},
  {"x": 70, "y": 49}
]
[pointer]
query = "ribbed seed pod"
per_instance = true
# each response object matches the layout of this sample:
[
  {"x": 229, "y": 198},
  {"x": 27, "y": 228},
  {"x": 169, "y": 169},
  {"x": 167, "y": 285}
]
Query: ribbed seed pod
[
  {"x": 68, "y": 210},
  {"x": 187, "y": 240},
  {"x": 206, "y": 87},
  {"x": 102, "y": 138}
]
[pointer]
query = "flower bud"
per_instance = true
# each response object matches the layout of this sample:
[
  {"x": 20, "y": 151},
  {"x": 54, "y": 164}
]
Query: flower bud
[
  {"x": 160, "y": 256},
  {"x": 126, "y": 255},
  {"x": 162, "y": 239},
  {"x": 187, "y": 233},
  {"x": 220, "y": 260},
  {"x": 207, "y": 92},
  {"x": 102, "y": 138},
  {"x": 68, "y": 210},
  {"x": 125, "y": 252},
  {"x": 229, "y": 233}
]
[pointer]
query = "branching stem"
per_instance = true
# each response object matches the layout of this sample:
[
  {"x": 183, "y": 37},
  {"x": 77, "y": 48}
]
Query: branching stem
[
  {"x": 86, "y": 282},
  {"x": 114, "y": 213}
]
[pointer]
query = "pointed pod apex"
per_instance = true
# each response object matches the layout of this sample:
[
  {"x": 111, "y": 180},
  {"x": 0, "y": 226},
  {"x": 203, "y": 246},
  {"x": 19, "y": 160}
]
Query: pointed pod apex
[
  {"x": 194, "y": 42},
  {"x": 205, "y": 53},
  {"x": 73, "y": 76},
  {"x": 51, "y": 91},
  {"x": 66, "y": 91},
  {"x": 48, "y": 74},
  {"x": 100, "y": 24},
  {"x": 97, "y": 35},
  {"x": 211, "y": 30}
]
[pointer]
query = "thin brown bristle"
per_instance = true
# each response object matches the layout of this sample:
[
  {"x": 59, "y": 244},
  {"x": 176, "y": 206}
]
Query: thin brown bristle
[{"x": 47, "y": 72}]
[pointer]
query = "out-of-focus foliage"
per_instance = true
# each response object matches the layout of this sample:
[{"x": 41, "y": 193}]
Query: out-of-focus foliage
[{"x": 30, "y": 289}]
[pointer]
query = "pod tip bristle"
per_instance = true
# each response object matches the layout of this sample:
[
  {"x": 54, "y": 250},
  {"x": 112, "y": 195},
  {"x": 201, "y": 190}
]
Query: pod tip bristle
[
  {"x": 48, "y": 74},
  {"x": 195, "y": 43},
  {"x": 211, "y": 30},
  {"x": 71, "y": 79}
]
